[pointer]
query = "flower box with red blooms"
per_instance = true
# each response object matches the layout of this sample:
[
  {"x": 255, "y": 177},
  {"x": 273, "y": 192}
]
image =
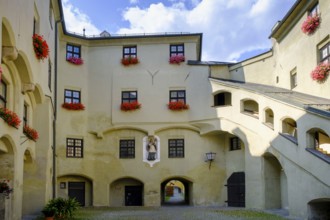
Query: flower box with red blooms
[
  {"x": 10, "y": 117},
  {"x": 321, "y": 72},
  {"x": 75, "y": 60},
  {"x": 5, "y": 188},
  {"x": 30, "y": 133},
  {"x": 177, "y": 106},
  {"x": 177, "y": 59},
  {"x": 129, "y": 60},
  {"x": 40, "y": 47},
  {"x": 130, "y": 106},
  {"x": 73, "y": 106},
  {"x": 310, "y": 24}
]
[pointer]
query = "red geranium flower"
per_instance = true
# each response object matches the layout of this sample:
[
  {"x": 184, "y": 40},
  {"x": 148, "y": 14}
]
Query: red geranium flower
[
  {"x": 177, "y": 106},
  {"x": 30, "y": 133},
  {"x": 73, "y": 106},
  {"x": 10, "y": 117},
  {"x": 129, "y": 60},
  {"x": 40, "y": 47},
  {"x": 128, "y": 106}
]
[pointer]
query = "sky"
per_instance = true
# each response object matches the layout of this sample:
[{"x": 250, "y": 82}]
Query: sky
[{"x": 233, "y": 30}]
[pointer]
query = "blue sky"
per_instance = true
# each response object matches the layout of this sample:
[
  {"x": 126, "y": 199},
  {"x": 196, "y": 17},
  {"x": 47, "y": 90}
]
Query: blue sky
[{"x": 232, "y": 29}]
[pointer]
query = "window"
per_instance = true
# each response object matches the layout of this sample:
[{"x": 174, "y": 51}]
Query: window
[
  {"x": 293, "y": 78},
  {"x": 3, "y": 94},
  {"x": 49, "y": 74},
  {"x": 251, "y": 108},
  {"x": 128, "y": 96},
  {"x": 176, "y": 148},
  {"x": 235, "y": 144},
  {"x": 315, "y": 10},
  {"x": 178, "y": 96},
  {"x": 72, "y": 51},
  {"x": 177, "y": 49},
  {"x": 25, "y": 115},
  {"x": 71, "y": 96},
  {"x": 129, "y": 52},
  {"x": 74, "y": 147},
  {"x": 325, "y": 54},
  {"x": 222, "y": 99},
  {"x": 127, "y": 149}
]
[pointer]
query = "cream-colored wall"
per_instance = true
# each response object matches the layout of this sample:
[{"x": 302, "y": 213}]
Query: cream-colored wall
[
  {"x": 287, "y": 54},
  {"x": 29, "y": 162}
]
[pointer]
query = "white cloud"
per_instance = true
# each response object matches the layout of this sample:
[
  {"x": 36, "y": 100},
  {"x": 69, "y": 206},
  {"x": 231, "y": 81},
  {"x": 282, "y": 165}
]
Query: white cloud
[
  {"x": 230, "y": 27},
  {"x": 76, "y": 21}
]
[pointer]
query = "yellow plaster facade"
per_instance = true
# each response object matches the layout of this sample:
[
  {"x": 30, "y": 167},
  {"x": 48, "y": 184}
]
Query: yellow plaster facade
[{"x": 264, "y": 117}]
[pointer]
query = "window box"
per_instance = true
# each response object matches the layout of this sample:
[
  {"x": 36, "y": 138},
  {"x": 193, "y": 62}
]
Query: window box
[
  {"x": 177, "y": 106},
  {"x": 73, "y": 106},
  {"x": 30, "y": 133},
  {"x": 75, "y": 60},
  {"x": 321, "y": 72},
  {"x": 10, "y": 117},
  {"x": 126, "y": 61},
  {"x": 310, "y": 24},
  {"x": 130, "y": 106},
  {"x": 40, "y": 47},
  {"x": 176, "y": 59}
]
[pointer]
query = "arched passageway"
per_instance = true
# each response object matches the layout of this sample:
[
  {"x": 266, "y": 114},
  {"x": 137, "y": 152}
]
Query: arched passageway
[
  {"x": 176, "y": 191},
  {"x": 276, "y": 189},
  {"x": 319, "y": 209}
]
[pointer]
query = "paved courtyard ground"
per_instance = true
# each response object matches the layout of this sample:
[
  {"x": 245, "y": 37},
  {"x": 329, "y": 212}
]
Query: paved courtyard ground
[
  {"x": 177, "y": 213},
  {"x": 174, "y": 213}
]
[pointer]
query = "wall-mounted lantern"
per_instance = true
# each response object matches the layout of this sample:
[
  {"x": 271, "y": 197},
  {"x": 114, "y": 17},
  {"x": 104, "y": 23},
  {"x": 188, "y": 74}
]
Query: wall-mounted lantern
[{"x": 210, "y": 156}]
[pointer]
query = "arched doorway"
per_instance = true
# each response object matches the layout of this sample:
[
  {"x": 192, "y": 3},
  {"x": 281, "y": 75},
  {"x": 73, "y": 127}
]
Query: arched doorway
[
  {"x": 176, "y": 191},
  {"x": 319, "y": 208},
  {"x": 276, "y": 189},
  {"x": 75, "y": 186},
  {"x": 126, "y": 192}
]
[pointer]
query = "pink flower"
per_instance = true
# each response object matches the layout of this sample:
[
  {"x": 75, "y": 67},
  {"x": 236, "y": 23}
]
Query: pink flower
[
  {"x": 310, "y": 24},
  {"x": 320, "y": 72},
  {"x": 177, "y": 59},
  {"x": 75, "y": 60}
]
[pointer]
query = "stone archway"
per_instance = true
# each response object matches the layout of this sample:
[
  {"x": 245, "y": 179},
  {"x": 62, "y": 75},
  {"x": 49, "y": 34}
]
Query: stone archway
[
  {"x": 76, "y": 186},
  {"x": 176, "y": 191},
  {"x": 319, "y": 208},
  {"x": 275, "y": 180},
  {"x": 6, "y": 173}
]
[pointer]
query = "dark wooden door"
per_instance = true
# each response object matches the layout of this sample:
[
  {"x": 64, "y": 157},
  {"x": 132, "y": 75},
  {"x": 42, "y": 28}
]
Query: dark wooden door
[
  {"x": 77, "y": 190},
  {"x": 236, "y": 190},
  {"x": 133, "y": 195}
]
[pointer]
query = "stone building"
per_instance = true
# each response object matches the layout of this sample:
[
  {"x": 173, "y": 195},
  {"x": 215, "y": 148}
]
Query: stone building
[{"x": 131, "y": 120}]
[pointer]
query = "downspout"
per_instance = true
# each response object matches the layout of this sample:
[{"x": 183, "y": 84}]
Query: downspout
[{"x": 55, "y": 112}]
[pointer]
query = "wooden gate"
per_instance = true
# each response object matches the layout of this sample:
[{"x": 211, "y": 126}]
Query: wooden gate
[
  {"x": 236, "y": 190},
  {"x": 77, "y": 190}
]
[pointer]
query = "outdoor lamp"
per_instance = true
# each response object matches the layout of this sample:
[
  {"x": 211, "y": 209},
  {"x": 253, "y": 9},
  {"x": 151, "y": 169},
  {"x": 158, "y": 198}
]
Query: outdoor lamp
[{"x": 210, "y": 157}]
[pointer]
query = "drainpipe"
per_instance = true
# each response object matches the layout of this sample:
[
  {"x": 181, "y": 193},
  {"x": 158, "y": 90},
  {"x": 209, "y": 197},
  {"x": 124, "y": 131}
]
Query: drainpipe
[{"x": 55, "y": 112}]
